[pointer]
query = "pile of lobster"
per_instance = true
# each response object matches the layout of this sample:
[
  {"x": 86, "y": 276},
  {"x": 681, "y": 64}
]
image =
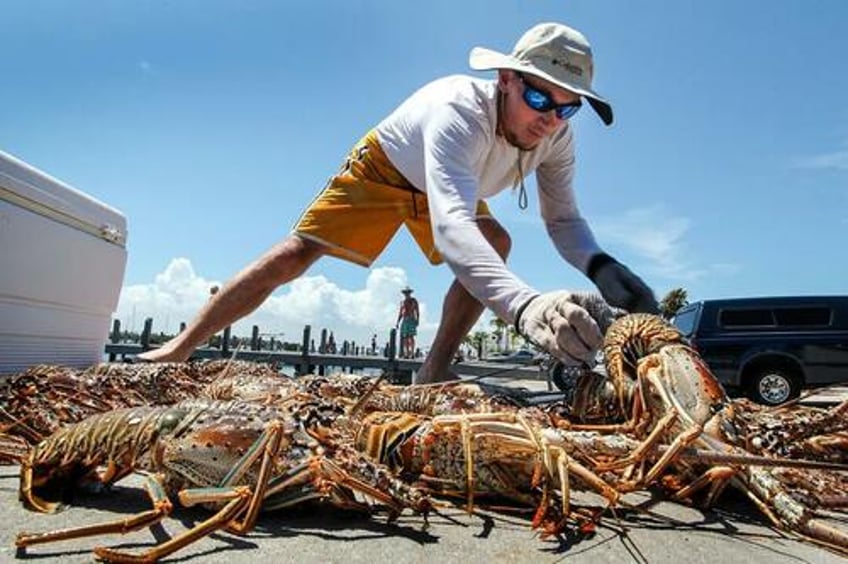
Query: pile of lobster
[{"x": 239, "y": 438}]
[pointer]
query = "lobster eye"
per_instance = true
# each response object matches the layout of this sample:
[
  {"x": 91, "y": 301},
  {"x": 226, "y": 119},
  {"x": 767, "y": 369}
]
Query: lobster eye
[{"x": 171, "y": 419}]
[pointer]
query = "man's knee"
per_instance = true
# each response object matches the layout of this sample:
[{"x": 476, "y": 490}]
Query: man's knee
[
  {"x": 496, "y": 235},
  {"x": 290, "y": 257}
]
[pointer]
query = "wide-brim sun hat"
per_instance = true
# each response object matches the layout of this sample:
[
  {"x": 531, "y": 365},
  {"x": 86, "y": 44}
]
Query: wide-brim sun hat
[{"x": 553, "y": 52}]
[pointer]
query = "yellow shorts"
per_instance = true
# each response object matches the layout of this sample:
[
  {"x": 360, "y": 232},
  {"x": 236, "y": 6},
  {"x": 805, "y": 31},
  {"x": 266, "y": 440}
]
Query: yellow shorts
[{"x": 363, "y": 206}]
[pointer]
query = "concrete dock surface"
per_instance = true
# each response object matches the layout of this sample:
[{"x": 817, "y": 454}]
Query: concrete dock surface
[{"x": 650, "y": 531}]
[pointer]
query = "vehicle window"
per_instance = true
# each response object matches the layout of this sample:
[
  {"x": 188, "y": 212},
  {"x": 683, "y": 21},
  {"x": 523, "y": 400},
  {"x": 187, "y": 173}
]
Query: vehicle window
[
  {"x": 685, "y": 321},
  {"x": 745, "y": 318},
  {"x": 803, "y": 316}
]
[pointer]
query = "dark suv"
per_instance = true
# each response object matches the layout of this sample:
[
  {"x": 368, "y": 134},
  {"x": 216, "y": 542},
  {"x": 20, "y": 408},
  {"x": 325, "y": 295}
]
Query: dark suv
[{"x": 771, "y": 348}]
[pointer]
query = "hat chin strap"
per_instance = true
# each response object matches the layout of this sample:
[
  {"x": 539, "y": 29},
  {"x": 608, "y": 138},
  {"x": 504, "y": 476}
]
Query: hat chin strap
[
  {"x": 522, "y": 195},
  {"x": 500, "y": 129},
  {"x": 499, "y": 106}
]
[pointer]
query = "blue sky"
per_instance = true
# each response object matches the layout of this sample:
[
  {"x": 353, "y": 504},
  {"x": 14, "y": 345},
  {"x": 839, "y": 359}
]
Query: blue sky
[{"x": 211, "y": 124}]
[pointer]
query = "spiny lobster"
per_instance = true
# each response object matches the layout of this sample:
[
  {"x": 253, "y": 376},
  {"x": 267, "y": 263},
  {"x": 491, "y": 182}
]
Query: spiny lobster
[{"x": 238, "y": 457}]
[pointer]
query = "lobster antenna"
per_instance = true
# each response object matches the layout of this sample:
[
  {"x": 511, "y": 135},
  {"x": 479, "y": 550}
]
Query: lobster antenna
[
  {"x": 368, "y": 393},
  {"x": 754, "y": 460},
  {"x": 231, "y": 361}
]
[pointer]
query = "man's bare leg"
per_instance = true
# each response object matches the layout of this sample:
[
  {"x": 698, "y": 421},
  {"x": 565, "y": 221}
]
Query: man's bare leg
[
  {"x": 282, "y": 263},
  {"x": 460, "y": 312}
]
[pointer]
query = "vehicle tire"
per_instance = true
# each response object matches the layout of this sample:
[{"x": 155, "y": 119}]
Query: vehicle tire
[
  {"x": 557, "y": 377},
  {"x": 564, "y": 377},
  {"x": 774, "y": 386}
]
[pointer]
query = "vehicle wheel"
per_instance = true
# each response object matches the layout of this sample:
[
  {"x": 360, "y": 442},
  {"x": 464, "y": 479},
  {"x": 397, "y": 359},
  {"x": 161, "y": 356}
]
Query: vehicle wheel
[
  {"x": 563, "y": 377},
  {"x": 556, "y": 375},
  {"x": 773, "y": 386}
]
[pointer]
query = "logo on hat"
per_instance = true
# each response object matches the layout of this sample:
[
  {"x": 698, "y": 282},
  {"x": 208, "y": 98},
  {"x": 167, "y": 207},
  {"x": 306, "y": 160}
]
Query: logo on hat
[{"x": 569, "y": 67}]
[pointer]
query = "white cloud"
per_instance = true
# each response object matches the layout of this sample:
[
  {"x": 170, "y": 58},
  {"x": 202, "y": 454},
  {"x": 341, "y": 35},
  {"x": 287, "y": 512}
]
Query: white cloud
[
  {"x": 145, "y": 67},
  {"x": 837, "y": 160},
  {"x": 178, "y": 293},
  {"x": 171, "y": 298},
  {"x": 657, "y": 236}
]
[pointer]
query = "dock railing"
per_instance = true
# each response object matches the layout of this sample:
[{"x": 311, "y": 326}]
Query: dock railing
[{"x": 309, "y": 359}]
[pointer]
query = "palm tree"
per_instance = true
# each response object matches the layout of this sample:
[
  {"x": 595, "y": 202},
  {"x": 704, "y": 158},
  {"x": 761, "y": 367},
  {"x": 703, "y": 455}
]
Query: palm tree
[
  {"x": 478, "y": 340},
  {"x": 673, "y": 301},
  {"x": 467, "y": 340},
  {"x": 500, "y": 331},
  {"x": 512, "y": 335},
  {"x": 467, "y": 343}
]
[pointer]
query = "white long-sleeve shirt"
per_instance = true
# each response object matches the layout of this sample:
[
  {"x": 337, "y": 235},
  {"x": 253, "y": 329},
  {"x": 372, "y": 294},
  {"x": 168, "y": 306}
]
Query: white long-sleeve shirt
[{"x": 444, "y": 140}]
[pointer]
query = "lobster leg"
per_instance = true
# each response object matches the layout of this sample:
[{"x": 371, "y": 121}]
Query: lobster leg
[
  {"x": 649, "y": 443},
  {"x": 13, "y": 449},
  {"x": 270, "y": 444},
  {"x": 26, "y": 493},
  {"x": 680, "y": 442},
  {"x": 15, "y": 423},
  {"x": 335, "y": 478},
  {"x": 770, "y": 495},
  {"x": 241, "y": 496},
  {"x": 161, "y": 508},
  {"x": 379, "y": 485},
  {"x": 717, "y": 478},
  {"x": 241, "y": 501}
]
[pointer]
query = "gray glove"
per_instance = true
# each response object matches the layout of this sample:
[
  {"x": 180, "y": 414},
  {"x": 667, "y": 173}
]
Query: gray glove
[
  {"x": 556, "y": 322},
  {"x": 620, "y": 287}
]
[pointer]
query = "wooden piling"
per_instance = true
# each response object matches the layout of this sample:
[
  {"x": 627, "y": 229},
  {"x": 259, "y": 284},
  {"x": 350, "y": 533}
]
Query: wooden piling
[
  {"x": 115, "y": 337},
  {"x": 145, "y": 334}
]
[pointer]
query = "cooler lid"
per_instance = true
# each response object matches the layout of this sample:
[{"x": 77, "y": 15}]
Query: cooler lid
[{"x": 38, "y": 192}]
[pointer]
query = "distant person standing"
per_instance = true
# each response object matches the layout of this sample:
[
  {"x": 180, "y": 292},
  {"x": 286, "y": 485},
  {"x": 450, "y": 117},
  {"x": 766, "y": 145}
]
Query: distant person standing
[
  {"x": 407, "y": 321},
  {"x": 212, "y": 291}
]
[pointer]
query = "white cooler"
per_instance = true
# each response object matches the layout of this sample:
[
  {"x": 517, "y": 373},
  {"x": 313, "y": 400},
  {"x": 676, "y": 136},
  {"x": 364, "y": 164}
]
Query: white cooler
[{"x": 62, "y": 259}]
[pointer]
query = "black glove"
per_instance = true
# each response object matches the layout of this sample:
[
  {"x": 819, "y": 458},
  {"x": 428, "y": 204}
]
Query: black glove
[{"x": 620, "y": 287}]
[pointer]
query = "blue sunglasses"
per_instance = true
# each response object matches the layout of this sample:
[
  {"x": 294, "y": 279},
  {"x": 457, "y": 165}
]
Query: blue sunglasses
[{"x": 541, "y": 101}]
